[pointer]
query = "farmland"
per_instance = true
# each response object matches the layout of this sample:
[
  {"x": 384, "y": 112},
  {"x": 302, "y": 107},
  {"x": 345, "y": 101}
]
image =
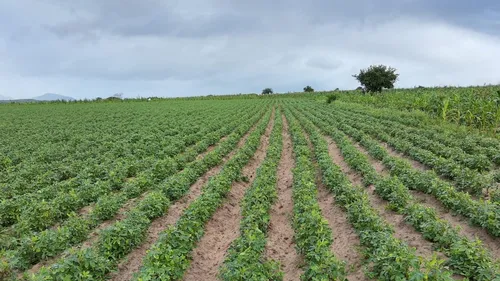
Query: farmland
[{"x": 246, "y": 188}]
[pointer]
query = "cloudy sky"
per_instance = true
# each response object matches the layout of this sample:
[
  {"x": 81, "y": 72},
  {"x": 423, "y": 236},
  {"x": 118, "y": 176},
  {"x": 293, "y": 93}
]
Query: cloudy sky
[{"x": 91, "y": 48}]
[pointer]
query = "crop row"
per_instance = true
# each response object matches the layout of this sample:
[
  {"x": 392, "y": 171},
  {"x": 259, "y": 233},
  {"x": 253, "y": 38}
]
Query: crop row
[
  {"x": 482, "y": 213},
  {"x": 244, "y": 260},
  {"x": 470, "y": 143},
  {"x": 116, "y": 241},
  {"x": 81, "y": 155},
  {"x": 67, "y": 198},
  {"x": 477, "y": 162},
  {"x": 40, "y": 214},
  {"x": 313, "y": 236},
  {"x": 38, "y": 246},
  {"x": 388, "y": 257},
  {"x": 467, "y": 257},
  {"x": 464, "y": 178},
  {"x": 169, "y": 257}
]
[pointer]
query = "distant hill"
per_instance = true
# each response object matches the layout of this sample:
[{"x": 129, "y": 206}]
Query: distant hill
[
  {"x": 5, "y": 98},
  {"x": 52, "y": 97}
]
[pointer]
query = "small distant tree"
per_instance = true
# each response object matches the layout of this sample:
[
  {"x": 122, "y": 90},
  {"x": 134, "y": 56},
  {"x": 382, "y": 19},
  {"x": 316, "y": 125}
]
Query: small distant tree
[
  {"x": 308, "y": 89},
  {"x": 267, "y": 91},
  {"x": 377, "y": 77}
]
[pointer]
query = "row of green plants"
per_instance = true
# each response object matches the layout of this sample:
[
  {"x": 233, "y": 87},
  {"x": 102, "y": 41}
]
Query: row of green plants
[
  {"x": 38, "y": 246},
  {"x": 75, "y": 152},
  {"x": 55, "y": 202},
  {"x": 483, "y": 213},
  {"x": 478, "y": 107},
  {"x": 116, "y": 241},
  {"x": 313, "y": 236},
  {"x": 169, "y": 257},
  {"x": 466, "y": 257},
  {"x": 245, "y": 258},
  {"x": 471, "y": 142},
  {"x": 477, "y": 162},
  {"x": 387, "y": 258},
  {"x": 41, "y": 214},
  {"x": 464, "y": 178}
]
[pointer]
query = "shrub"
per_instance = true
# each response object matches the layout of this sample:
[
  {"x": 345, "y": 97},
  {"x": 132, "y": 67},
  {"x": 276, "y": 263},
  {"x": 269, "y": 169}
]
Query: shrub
[{"x": 331, "y": 98}]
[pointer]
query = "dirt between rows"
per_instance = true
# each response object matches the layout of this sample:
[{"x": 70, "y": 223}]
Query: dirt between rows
[
  {"x": 280, "y": 244},
  {"x": 132, "y": 263},
  {"x": 465, "y": 228},
  {"x": 346, "y": 245},
  {"x": 94, "y": 235},
  {"x": 223, "y": 227},
  {"x": 402, "y": 230}
]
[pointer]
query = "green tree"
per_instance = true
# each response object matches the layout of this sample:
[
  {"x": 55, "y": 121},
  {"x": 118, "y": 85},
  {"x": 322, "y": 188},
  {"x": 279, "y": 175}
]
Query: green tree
[
  {"x": 308, "y": 89},
  {"x": 267, "y": 91},
  {"x": 377, "y": 77}
]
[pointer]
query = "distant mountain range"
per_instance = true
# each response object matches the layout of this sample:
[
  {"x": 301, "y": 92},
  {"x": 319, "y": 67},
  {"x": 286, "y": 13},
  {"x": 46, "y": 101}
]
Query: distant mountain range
[
  {"x": 44, "y": 97},
  {"x": 50, "y": 97}
]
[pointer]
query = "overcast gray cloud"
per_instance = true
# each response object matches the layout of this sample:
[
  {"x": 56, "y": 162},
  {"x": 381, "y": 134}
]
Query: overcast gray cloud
[{"x": 90, "y": 48}]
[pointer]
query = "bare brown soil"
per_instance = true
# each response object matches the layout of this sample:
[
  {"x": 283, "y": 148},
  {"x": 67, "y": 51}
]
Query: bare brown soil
[
  {"x": 132, "y": 263},
  {"x": 402, "y": 230},
  {"x": 346, "y": 244},
  {"x": 466, "y": 229},
  {"x": 223, "y": 227},
  {"x": 280, "y": 242}
]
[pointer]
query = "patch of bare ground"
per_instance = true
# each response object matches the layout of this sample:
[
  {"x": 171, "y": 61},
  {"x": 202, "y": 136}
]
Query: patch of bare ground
[
  {"x": 346, "y": 243},
  {"x": 377, "y": 165},
  {"x": 132, "y": 263},
  {"x": 402, "y": 230},
  {"x": 223, "y": 227},
  {"x": 120, "y": 214},
  {"x": 466, "y": 229},
  {"x": 280, "y": 241}
]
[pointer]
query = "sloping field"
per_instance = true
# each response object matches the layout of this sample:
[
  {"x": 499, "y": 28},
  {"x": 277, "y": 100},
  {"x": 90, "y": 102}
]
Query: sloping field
[{"x": 242, "y": 189}]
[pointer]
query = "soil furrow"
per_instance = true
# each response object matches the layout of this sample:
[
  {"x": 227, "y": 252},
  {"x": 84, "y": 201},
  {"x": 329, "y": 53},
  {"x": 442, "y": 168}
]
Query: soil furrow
[
  {"x": 132, "y": 263},
  {"x": 94, "y": 235},
  {"x": 346, "y": 243},
  {"x": 466, "y": 229},
  {"x": 402, "y": 230},
  {"x": 223, "y": 227},
  {"x": 280, "y": 242}
]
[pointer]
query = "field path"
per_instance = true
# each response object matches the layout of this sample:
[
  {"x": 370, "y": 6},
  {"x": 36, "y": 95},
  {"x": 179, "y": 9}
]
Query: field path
[
  {"x": 466, "y": 229},
  {"x": 132, "y": 263},
  {"x": 402, "y": 230},
  {"x": 346, "y": 242},
  {"x": 223, "y": 227},
  {"x": 280, "y": 244}
]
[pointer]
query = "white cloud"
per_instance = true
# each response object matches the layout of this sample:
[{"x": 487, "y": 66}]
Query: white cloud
[{"x": 285, "y": 52}]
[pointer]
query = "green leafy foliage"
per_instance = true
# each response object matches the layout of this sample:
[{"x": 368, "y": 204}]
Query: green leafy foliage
[
  {"x": 308, "y": 89},
  {"x": 245, "y": 259},
  {"x": 377, "y": 77},
  {"x": 267, "y": 91},
  {"x": 169, "y": 257}
]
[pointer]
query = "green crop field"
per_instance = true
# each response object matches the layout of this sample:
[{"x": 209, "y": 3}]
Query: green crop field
[{"x": 248, "y": 187}]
